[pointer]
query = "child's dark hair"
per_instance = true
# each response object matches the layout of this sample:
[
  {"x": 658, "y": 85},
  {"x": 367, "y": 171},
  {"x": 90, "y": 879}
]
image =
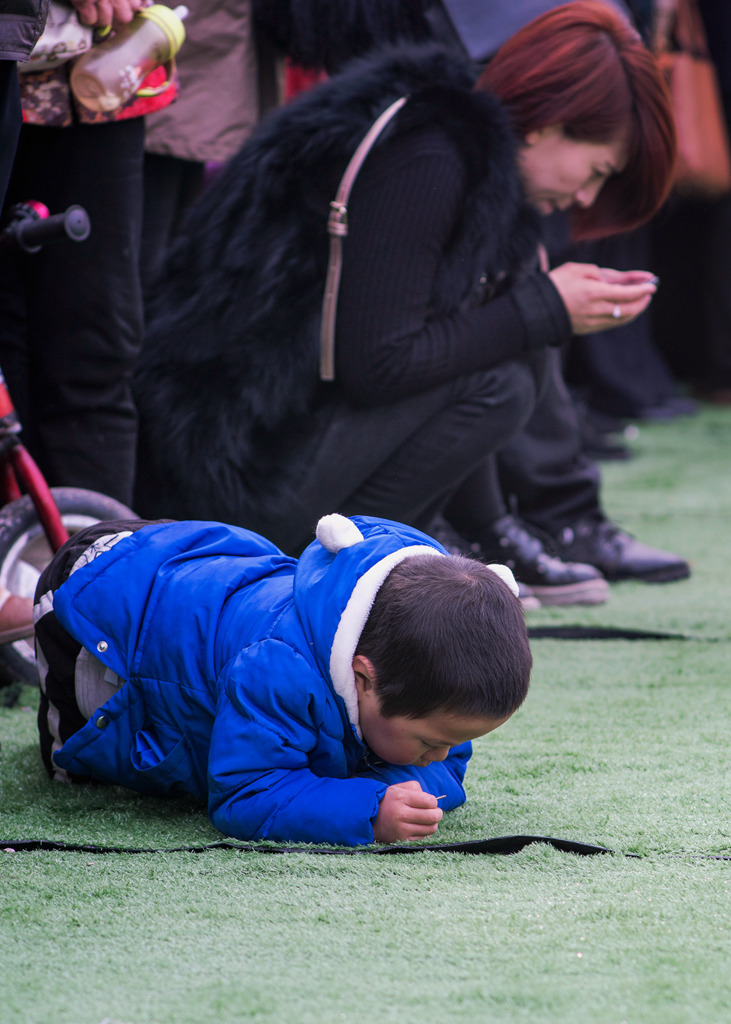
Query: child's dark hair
[{"x": 447, "y": 634}]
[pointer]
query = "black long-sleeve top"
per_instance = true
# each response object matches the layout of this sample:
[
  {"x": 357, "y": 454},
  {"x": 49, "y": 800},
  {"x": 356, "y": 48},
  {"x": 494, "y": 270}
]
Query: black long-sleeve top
[{"x": 402, "y": 213}]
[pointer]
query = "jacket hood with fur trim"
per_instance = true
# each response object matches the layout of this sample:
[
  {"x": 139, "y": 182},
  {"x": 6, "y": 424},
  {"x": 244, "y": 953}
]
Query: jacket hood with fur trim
[{"x": 239, "y": 686}]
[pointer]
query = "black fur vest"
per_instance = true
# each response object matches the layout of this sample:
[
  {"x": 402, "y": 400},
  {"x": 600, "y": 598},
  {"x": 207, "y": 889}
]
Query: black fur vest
[{"x": 233, "y": 341}]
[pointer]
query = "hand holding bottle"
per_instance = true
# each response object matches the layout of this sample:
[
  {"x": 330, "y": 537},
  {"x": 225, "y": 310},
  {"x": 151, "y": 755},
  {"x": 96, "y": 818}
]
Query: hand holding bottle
[
  {"x": 102, "y": 13},
  {"x": 112, "y": 72}
]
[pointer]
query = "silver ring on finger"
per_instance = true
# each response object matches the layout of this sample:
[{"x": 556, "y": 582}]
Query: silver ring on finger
[{"x": 616, "y": 312}]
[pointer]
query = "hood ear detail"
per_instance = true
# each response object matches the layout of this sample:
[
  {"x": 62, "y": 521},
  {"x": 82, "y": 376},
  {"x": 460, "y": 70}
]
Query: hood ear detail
[
  {"x": 335, "y": 532},
  {"x": 505, "y": 575}
]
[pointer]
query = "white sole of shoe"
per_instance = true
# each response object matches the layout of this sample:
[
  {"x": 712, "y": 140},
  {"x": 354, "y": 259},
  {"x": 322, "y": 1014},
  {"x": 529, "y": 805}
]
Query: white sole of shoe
[{"x": 587, "y": 592}]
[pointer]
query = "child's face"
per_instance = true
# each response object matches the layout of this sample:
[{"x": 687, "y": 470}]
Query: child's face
[
  {"x": 420, "y": 741},
  {"x": 417, "y": 741}
]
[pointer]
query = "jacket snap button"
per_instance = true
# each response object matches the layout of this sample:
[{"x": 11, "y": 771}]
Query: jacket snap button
[
  {"x": 102, "y": 646},
  {"x": 102, "y": 722}
]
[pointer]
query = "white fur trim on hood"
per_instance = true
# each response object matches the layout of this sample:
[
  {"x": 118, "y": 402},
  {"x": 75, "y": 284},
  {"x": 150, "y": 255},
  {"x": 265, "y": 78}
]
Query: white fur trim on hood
[{"x": 353, "y": 619}]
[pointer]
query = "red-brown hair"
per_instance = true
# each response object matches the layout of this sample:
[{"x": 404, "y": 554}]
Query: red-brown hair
[{"x": 582, "y": 66}]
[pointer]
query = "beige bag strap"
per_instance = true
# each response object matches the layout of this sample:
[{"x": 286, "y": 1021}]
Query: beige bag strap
[
  {"x": 677, "y": 24},
  {"x": 662, "y": 25},
  {"x": 337, "y": 227}
]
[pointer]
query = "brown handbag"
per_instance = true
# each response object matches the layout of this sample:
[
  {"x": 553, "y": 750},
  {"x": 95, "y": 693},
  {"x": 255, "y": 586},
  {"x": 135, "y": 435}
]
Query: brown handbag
[{"x": 704, "y": 158}]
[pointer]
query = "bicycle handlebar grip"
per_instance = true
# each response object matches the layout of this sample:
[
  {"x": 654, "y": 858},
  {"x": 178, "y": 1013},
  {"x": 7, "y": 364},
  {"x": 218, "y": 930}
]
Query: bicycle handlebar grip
[
  {"x": 78, "y": 225},
  {"x": 73, "y": 222}
]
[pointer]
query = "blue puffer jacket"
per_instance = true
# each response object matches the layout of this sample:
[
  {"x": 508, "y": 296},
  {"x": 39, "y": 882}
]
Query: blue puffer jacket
[{"x": 238, "y": 661}]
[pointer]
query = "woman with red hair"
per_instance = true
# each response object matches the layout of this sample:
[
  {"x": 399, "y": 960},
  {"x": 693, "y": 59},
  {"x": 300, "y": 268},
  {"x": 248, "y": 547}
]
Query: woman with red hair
[
  {"x": 594, "y": 93},
  {"x": 598, "y": 83},
  {"x": 445, "y": 317}
]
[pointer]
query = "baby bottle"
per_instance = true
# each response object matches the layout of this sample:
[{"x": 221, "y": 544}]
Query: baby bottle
[{"x": 109, "y": 74}]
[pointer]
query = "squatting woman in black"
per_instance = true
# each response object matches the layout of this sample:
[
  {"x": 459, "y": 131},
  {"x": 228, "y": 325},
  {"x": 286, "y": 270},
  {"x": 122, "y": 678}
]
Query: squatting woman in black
[{"x": 444, "y": 315}]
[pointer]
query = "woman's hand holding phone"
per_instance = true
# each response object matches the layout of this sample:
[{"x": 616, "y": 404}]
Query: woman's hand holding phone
[{"x": 599, "y": 298}]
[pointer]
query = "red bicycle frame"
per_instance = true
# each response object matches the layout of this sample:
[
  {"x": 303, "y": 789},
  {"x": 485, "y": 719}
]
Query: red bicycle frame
[{"x": 18, "y": 472}]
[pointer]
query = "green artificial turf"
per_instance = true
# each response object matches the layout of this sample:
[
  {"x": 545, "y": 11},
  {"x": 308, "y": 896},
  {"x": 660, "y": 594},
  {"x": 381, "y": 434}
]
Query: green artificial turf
[{"x": 621, "y": 743}]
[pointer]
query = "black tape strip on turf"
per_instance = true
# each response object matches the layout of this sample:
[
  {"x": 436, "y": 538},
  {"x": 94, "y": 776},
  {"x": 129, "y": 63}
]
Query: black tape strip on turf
[
  {"x": 608, "y": 633},
  {"x": 498, "y": 845}
]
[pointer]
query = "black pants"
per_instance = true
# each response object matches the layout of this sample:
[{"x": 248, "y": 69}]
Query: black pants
[
  {"x": 401, "y": 461},
  {"x": 544, "y": 475},
  {"x": 171, "y": 185},
  {"x": 71, "y": 315},
  {"x": 10, "y": 120},
  {"x": 540, "y": 472},
  {"x": 621, "y": 372},
  {"x": 693, "y": 305}
]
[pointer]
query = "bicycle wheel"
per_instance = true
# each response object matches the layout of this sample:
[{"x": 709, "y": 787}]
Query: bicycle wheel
[{"x": 24, "y": 553}]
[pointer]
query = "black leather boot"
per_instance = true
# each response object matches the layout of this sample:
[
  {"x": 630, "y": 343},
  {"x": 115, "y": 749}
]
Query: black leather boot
[
  {"x": 539, "y": 573},
  {"x": 618, "y": 555},
  {"x": 550, "y": 579}
]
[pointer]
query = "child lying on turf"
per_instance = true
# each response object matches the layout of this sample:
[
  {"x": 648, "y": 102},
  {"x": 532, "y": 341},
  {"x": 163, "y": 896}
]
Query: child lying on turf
[{"x": 330, "y": 699}]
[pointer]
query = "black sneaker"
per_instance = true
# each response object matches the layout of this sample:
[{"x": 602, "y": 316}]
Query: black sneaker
[
  {"x": 547, "y": 578},
  {"x": 617, "y": 554}
]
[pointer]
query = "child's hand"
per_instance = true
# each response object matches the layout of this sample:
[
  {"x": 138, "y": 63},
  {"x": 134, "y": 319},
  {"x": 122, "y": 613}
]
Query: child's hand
[{"x": 406, "y": 812}]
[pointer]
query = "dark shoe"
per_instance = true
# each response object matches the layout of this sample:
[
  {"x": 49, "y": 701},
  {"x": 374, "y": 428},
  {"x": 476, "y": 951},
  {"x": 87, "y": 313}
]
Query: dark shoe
[
  {"x": 551, "y": 580},
  {"x": 599, "y": 437},
  {"x": 617, "y": 554},
  {"x": 603, "y": 447},
  {"x": 671, "y": 409},
  {"x": 712, "y": 394},
  {"x": 603, "y": 422}
]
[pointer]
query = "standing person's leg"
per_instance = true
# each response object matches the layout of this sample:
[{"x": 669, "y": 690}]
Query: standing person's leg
[
  {"x": 10, "y": 120},
  {"x": 15, "y": 611},
  {"x": 13, "y": 262},
  {"x": 543, "y": 472},
  {"x": 713, "y": 380},
  {"x": 170, "y": 186},
  {"x": 620, "y": 372},
  {"x": 84, "y": 311}
]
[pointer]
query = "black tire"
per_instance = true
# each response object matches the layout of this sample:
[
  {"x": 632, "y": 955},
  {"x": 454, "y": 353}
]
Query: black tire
[{"x": 24, "y": 553}]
